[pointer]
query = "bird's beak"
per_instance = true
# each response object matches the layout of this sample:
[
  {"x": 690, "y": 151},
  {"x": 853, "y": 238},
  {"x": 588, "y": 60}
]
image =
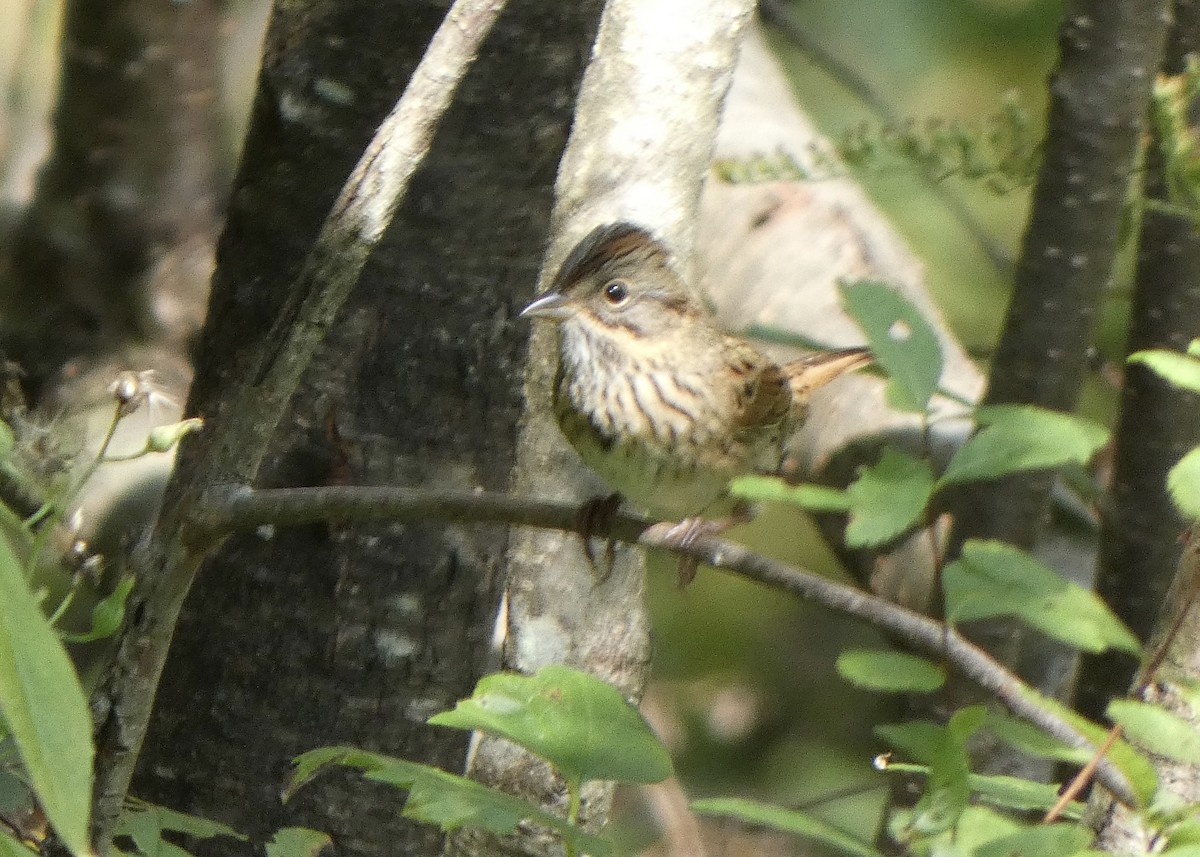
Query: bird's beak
[{"x": 551, "y": 305}]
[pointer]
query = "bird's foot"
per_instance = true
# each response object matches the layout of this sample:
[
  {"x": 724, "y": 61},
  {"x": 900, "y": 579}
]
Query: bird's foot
[
  {"x": 597, "y": 514},
  {"x": 686, "y": 532}
]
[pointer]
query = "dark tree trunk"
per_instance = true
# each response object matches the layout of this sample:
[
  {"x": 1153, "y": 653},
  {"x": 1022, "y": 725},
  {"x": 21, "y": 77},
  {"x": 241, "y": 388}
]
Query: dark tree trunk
[
  {"x": 125, "y": 205},
  {"x": 1141, "y": 544},
  {"x": 1099, "y": 97},
  {"x": 354, "y": 635}
]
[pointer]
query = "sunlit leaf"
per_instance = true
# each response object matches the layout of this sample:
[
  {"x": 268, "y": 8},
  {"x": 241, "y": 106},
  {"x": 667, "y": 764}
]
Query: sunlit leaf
[
  {"x": 6, "y": 440},
  {"x": 1156, "y": 729},
  {"x": 43, "y": 706},
  {"x": 815, "y": 498},
  {"x": 903, "y": 341},
  {"x": 788, "y": 820},
  {"x": 888, "y": 499},
  {"x": 993, "y": 578},
  {"x": 890, "y": 672},
  {"x": 1016, "y": 438},
  {"x": 298, "y": 842},
  {"x": 446, "y": 800},
  {"x": 1180, "y": 370},
  {"x": 1183, "y": 484},
  {"x": 581, "y": 725}
]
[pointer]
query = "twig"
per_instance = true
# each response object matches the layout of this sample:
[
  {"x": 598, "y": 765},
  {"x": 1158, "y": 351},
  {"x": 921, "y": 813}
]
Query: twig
[{"x": 241, "y": 508}]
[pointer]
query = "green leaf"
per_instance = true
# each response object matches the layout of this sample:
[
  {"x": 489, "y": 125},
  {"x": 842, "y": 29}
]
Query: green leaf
[
  {"x": 1033, "y": 741},
  {"x": 44, "y": 708},
  {"x": 890, "y": 672},
  {"x": 10, "y": 847},
  {"x": 7, "y": 440},
  {"x": 1156, "y": 729},
  {"x": 948, "y": 787},
  {"x": 815, "y": 498},
  {"x": 1053, "y": 840},
  {"x": 107, "y": 615},
  {"x": 447, "y": 800},
  {"x": 903, "y": 341},
  {"x": 992, "y": 579},
  {"x": 1141, "y": 775},
  {"x": 1183, "y": 484},
  {"x": 1179, "y": 369},
  {"x": 888, "y": 499},
  {"x": 298, "y": 842},
  {"x": 1004, "y": 791},
  {"x": 787, "y": 820},
  {"x": 1022, "y": 437},
  {"x": 145, "y": 822},
  {"x": 581, "y": 725}
]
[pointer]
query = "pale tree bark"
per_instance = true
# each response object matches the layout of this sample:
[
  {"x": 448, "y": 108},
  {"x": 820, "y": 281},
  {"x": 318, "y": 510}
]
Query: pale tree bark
[{"x": 639, "y": 148}]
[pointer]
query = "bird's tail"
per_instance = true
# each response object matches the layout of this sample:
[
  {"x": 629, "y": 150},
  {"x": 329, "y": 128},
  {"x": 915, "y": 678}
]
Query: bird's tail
[{"x": 816, "y": 370}]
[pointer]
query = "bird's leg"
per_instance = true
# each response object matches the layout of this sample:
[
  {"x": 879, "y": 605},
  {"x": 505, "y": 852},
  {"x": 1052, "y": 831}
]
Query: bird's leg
[
  {"x": 597, "y": 514},
  {"x": 685, "y": 533}
]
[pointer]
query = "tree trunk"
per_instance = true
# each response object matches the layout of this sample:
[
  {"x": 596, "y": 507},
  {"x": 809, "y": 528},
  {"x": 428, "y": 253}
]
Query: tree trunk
[{"x": 339, "y": 634}]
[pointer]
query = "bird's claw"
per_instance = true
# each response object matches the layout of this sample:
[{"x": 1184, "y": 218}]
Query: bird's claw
[{"x": 597, "y": 514}]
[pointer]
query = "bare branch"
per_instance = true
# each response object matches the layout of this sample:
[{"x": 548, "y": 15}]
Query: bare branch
[{"x": 238, "y": 507}]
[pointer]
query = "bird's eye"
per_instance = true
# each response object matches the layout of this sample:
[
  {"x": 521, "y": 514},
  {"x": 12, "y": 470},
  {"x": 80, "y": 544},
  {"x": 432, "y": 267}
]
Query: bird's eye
[{"x": 616, "y": 292}]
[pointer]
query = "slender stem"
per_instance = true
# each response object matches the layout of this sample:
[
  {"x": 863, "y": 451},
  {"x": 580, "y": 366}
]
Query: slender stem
[{"x": 239, "y": 508}]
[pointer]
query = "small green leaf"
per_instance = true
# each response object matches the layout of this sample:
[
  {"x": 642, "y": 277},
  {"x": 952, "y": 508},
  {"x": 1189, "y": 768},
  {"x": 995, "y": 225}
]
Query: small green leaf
[
  {"x": 993, "y": 578},
  {"x": 298, "y": 842},
  {"x": 1033, "y": 741},
  {"x": 447, "y": 800},
  {"x": 903, "y": 341},
  {"x": 107, "y": 615},
  {"x": 1004, "y": 791},
  {"x": 144, "y": 823},
  {"x": 581, "y": 725},
  {"x": 890, "y": 672},
  {"x": 1052, "y": 840},
  {"x": 948, "y": 787},
  {"x": 1183, "y": 484},
  {"x": 1156, "y": 729},
  {"x": 815, "y": 498},
  {"x": 1015, "y": 438},
  {"x": 787, "y": 820},
  {"x": 888, "y": 499},
  {"x": 1179, "y": 369},
  {"x": 10, "y": 847},
  {"x": 43, "y": 706},
  {"x": 1140, "y": 774}
]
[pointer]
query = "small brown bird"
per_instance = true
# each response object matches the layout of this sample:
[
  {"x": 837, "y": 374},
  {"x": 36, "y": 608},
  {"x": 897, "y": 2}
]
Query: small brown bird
[{"x": 661, "y": 403}]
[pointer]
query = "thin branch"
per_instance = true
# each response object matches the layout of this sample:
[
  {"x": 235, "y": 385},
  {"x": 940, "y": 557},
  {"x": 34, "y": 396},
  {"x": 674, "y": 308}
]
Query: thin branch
[{"x": 241, "y": 508}]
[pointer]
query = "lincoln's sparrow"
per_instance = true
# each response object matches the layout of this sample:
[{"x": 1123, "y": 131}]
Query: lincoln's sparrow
[{"x": 656, "y": 399}]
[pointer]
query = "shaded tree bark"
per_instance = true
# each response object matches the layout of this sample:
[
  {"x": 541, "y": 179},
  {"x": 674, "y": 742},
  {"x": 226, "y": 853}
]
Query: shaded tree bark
[
  {"x": 126, "y": 204},
  {"x": 1099, "y": 95},
  {"x": 356, "y": 634},
  {"x": 1140, "y": 542}
]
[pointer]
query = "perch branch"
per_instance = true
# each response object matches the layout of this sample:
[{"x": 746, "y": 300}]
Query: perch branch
[{"x": 240, "y": 508}]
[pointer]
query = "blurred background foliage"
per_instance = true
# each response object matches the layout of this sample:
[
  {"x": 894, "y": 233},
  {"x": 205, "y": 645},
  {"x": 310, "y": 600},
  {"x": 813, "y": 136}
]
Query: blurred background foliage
[{"x": 746, "y": 692}]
